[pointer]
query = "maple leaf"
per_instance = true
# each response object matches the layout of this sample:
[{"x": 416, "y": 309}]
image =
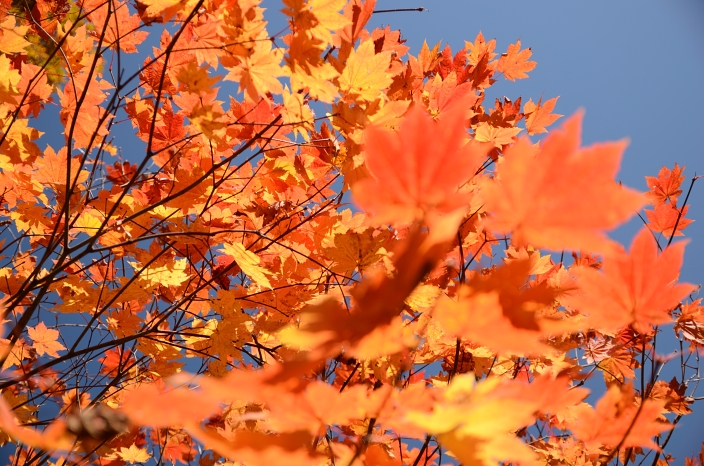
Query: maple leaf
[
  {"x": 691, "y": 322},
  {"x": 249, "y": 263},
  {"x": 115, "y": 361},
  {"x": 666, "y": 186},
  {"x": 172, "y": 274},
  {"x": 480, "y": 48},
  {"x": 366, "y": 73},
  {"x": 514, "y": 63},
  {"x": 87, "y": 121},
  {"x": 122, "y": 30},
  {"x": 317, "y": 17},
  {"x": 12, "y": 36},
  {"x": 560, "y": 196},
  {"x": 617, "y": 365},
  {"x": 308, "y": 70},
  {"x": 51, "y": 438},
  {"x": 52, "y": 171},
  {"x": 498, "y": 136},
  {"x": 179, "y": 449},
  {"x": 297, "y": 113},
  {"x": 637, "y": 288},
  {"x": 133, "y": 454},
  {"x": 664, "y": 218},
  {"x": 673, "y": 393},
  {"x": 474, "y": 419},
  {"x": 202, "y": 38},
  {"x": 358, "y": 12},
  {"x": 418, "y": 169},
  {"x": 538, "y": 264},
  {"x": 44, "y": 340},
  {"x": 618, "y": 420},
  {"x": 152, "y": 405},
  {"x": 260, "y": 449},
  {"x": 500, "y": 302},
  {"x": 13, "y": 356},
  {"x": 9, "y": 79},
  {"x": 426, "y": 61},
  {"x": 163, "y": 10},
  {"x": 538, "y": 115},
  {"x": 260, "y": 72},
  {"x": 195, "y": 79},
  {"x": 326, "y": 326}
]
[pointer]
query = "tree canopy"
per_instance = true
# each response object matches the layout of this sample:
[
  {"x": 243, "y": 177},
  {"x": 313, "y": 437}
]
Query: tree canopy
[{"x": 312, "y": 247}]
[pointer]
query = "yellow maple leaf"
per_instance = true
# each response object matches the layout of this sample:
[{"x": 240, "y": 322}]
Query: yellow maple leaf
[
  {"x": 44, "y": 340},
  {"x": 297, "y": 113},
  {"x": 317, "y": 17},
  {"x": 89, "y": 221},
  {"x": 259, "y": 73},
  {"x": 195, "y": 79},
  {"x": 249, "y": 263},
  {"x": 357, "y": 249},
  {"x": 172, "y": 274},
  {"x": 207, "y": 118},
  {"x": 166, "y": 8},
  {"x": 9, "y": 79},
  {"x": 134, "y": 454},
  {"x": 496, "y": 135},
  {"x": 475, "y": 420},
  {"x": 423, "y": 297},
  {"x": 12, "y": 36},
  {"x": 538, "y": 264},
  {"x": 538, "y": 115},
  {"x": 316, "y": 81},
  {"x": 14, "y": 355},
  {"x": 366, "y": 73}
]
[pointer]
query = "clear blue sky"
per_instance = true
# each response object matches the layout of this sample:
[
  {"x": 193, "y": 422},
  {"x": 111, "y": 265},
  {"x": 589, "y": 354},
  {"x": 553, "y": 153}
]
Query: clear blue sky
[{"x": 637, "y": 67}]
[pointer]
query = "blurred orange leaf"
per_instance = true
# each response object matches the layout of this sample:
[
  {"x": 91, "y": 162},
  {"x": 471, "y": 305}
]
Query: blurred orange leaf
[
  {"x": 560, "y": 196},
  {"x": 638, "y": 288}
]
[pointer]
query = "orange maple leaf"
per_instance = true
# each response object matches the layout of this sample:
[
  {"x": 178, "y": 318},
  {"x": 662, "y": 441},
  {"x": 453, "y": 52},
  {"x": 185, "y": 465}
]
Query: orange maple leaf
[
  {"x": 560, "y": 196},
  {"x": 152, "y": 405},
  {"x": 418, "y": 169},
  {"x": 114, "y": 361},
  {"x": 637, "y": 288},
  {"x": 617, "y": 420},
  {"x": 514, "y": 63},
  {"x": 664, "y": 218},
  {"x": 44, "y": 340},
  {"x": 358, "y": 12},
  {"x": 260, "y": 448},
  {"x": 691, "y": 322},
  {"x": 501, "y": 313},
  {"x": 122, "y": 30},
  {"x": 51, "y": 438},
  {"x": 673, "y": 394},
  {"x": 480, "y": 48},
  {"x": 538, "y": 115},
  {"x": 666, "y": 186}
]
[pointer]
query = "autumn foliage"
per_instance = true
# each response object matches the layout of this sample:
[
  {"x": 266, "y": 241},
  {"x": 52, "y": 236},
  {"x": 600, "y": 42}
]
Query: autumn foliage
[{"x": 350, "y": 257}]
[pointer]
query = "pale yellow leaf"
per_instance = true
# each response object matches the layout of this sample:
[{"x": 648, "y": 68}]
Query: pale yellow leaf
[{"x": 249, "y": 263}]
